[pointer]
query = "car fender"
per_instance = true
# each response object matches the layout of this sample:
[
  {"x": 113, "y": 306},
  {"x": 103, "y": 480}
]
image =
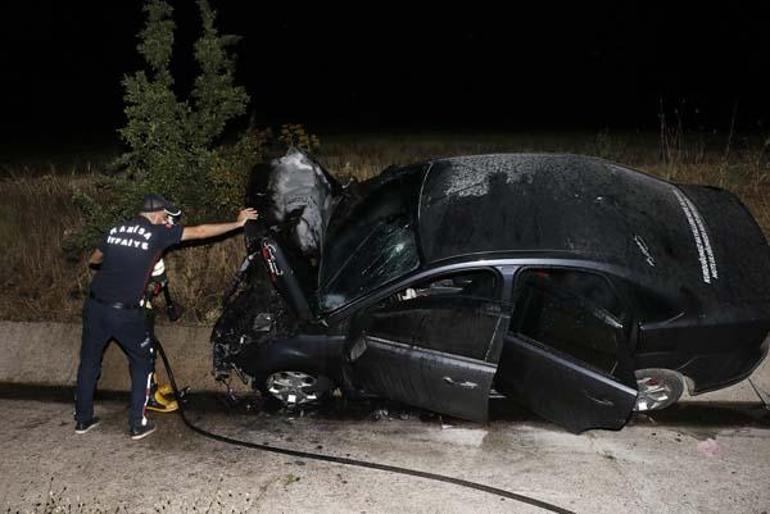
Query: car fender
[{"x": 318, "y": 353}]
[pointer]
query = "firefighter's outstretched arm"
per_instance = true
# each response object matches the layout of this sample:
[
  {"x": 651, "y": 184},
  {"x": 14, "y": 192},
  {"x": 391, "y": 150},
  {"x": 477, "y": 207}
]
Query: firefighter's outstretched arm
[{"x": 217, "y": 229}]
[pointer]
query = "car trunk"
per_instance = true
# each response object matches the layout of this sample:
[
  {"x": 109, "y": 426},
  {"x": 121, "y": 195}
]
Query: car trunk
[
  {"x": 736, "y": 256},
  {"x": 718, "y": 338}
]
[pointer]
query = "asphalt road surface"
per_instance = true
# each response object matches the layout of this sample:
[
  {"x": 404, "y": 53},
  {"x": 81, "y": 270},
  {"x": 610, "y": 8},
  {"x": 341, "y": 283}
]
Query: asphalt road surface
[{"x": 692, "y": 458}]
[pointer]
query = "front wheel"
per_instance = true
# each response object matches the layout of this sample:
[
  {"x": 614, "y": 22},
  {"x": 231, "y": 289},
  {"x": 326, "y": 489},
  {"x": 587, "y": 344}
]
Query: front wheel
[
  {"x": 295, "y": 388},
  {"x": 658, "y": 388}
]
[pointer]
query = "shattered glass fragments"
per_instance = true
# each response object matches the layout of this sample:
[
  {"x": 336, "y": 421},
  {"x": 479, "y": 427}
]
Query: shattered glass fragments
[{"x": 388, "y": 253}]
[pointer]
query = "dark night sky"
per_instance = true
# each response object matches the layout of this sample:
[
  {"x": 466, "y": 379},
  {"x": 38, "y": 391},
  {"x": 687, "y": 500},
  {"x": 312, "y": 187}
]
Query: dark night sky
[{"x": 387, "y": 65}]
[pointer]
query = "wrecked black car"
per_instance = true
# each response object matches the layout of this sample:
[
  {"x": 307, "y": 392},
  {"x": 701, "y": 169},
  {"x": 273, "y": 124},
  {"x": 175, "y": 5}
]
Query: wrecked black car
[{"x": 578, "y": 287}]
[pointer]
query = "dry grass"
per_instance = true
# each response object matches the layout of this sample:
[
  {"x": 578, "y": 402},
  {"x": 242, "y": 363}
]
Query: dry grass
[{"x": 38, "y": 282}]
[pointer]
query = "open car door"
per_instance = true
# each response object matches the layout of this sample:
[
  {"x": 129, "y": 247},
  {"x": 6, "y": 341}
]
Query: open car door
[
  {"x": 428, "y": 345},
  {"x": 566, "y": 352}
]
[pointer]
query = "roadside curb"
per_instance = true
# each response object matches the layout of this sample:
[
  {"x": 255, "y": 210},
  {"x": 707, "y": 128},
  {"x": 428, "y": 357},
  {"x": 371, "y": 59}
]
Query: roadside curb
[{"x": 46, "y": 354}]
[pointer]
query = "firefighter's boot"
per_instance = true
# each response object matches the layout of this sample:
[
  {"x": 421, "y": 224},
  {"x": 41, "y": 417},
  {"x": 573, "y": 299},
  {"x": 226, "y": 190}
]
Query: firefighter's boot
[{"x": 158, "y": 401}]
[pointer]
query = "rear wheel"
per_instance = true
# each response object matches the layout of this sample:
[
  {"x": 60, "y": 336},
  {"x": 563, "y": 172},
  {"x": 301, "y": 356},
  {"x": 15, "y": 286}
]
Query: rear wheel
[
  {"x": 294, "y": 388},
  {"x": 658, "y": 388}
]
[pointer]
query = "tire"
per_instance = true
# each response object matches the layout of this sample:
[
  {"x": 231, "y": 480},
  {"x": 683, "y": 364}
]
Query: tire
[
  {"x": 658, "y": 388},
  {"x": 295, "y": 388}
]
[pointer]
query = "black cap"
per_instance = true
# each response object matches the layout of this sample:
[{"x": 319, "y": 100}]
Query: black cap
[{"x": 155, "y": 203}]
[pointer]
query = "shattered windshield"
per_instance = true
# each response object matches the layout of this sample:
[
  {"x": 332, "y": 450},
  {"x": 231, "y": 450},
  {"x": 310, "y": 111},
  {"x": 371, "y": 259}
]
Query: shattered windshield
[
  {"x": 385, "y": 254},
  {"x": 372, "y": 243}
]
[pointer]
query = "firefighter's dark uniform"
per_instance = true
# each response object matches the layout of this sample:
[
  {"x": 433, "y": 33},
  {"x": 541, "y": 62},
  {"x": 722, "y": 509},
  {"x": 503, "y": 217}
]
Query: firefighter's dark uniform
[{"x": 112, "y": 311}]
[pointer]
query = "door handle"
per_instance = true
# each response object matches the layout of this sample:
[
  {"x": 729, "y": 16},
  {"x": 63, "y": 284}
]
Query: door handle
[
  {"x": 465, "y": 384},
  {"x": 600, "y": 401},
  {"x": 358, "y": 348}
]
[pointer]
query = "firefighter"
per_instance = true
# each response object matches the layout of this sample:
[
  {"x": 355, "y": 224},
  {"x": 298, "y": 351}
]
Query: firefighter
[{"x": 125, "y": 258}]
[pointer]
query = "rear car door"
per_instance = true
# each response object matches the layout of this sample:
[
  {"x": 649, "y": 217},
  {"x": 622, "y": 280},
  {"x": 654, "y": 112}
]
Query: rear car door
[
  {"x": 428, "y": 345},
  {"x": 566, "y": 352}
]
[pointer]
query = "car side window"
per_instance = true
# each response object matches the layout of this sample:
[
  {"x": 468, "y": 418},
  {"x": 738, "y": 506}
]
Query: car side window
[
  {"x": 455, "y": 313},
  {"x": 574, "y": 312}
]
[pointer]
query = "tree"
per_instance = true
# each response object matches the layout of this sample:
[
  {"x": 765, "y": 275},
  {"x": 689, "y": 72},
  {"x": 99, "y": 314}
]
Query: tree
[
  {"x": 157, "y": 123},
  {"x": 216, "y": 97},
  {"x": 173, "y": 144},
  {"x": 171, "y": 141}
]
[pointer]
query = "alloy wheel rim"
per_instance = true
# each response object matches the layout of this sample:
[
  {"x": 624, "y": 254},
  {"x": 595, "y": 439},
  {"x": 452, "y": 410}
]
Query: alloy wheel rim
[
  {"x": 292, "y": 387},
  {"x": 652, "y": 393}
]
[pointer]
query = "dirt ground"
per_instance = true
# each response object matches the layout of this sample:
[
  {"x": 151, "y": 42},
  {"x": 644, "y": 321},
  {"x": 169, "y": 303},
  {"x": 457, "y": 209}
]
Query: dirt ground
[{"x": 692, "y": 458}]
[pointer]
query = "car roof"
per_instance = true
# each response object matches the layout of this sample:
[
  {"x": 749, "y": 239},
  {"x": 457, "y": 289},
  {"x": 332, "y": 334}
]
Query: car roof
[{"x": 584, "y": 207}]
